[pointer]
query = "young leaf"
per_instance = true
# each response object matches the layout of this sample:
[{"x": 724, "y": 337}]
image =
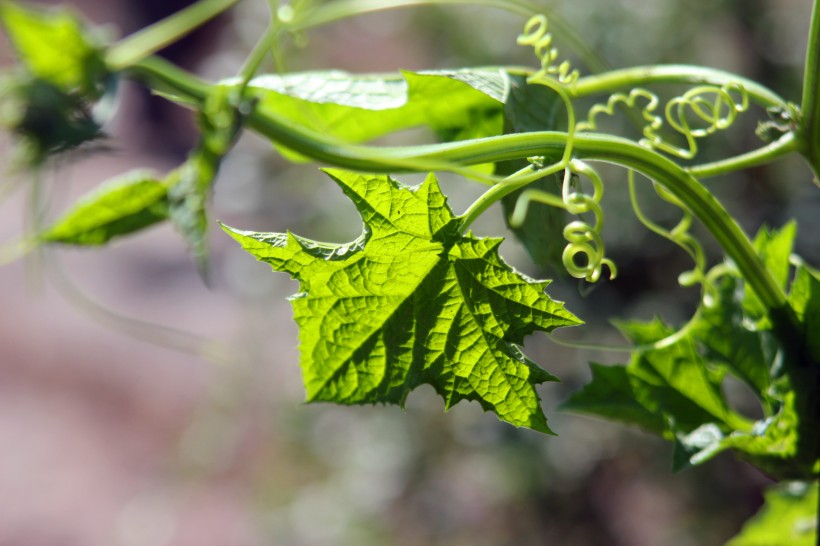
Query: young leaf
[
  {"x": 189, "y": 186},
  {"x": 774, "y": 248},
  {"x": 411, "y": 302},
  {"x": 681, "y": 386},
  {"x": 48, "y": 102},
  {"x": 788, "y": 518},
  {"x": 54, "y": 47},
  {"x": 121, "y": 207}
]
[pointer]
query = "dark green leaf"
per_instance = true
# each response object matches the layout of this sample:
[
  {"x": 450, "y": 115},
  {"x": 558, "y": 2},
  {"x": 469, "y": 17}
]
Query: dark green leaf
[
  {"x": 121, "y": 207},
  {"x": 804, "y": 298},
  {"x": 411, "y": 302}
]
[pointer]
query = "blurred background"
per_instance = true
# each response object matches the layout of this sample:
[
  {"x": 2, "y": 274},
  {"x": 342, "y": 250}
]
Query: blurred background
[{"x": 139, "y": 407}]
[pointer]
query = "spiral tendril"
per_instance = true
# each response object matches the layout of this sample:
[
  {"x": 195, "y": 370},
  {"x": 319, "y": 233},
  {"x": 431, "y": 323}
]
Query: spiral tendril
[
  {"x": 698, "y": 113},
  {"x": 536, "y": 34},
  {"x": 583, "y": 238}
]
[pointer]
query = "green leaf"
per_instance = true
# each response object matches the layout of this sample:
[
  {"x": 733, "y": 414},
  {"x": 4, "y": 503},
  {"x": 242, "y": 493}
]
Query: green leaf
[
  {"x": 613, "y": 394},
  {"x": 531, "y": 108},
  {"x": 679, "y": 381},
  {"x": 770, "y": 445},
  {"x": 788, "y": 518},
  {"x": 47, "y": 103},
  {"x": 121, "y": 207},
  {"x": 804, "y": 298},
  {"x": 721, "y": 327},
  {"x": 358, "y": 108},
  {"x": 774, "y": 248},
  {"x": 54, "y": 47},
  {"x": 411, "y": 302}
]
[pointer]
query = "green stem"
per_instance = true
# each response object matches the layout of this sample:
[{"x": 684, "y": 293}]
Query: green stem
[
  {"x": 786, "y": 144},
  {"x": 810, "y": 122},
  {"x": 455, "y": 155},
  {"x": 148, "y": 41},
  {"x": 628, "y": 78},
  {"x": 507, "y": 186},
  {"x": 261, "y": 50}
]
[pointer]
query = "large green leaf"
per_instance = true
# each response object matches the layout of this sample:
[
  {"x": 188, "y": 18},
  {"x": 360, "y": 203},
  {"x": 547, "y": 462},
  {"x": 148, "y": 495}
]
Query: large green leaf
[
  {"x": 411, "y": 302},
  {"x": 358, "y": 108},
  {"x": 121, "y": 207},
  {"x": 788, "y": 518}
]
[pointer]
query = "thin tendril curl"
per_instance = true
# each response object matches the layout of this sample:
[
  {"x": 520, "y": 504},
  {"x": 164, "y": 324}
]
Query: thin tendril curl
[
  {"x": 698, "y": 113},
  {"x": 678, "y": 235},
  {"x": 536, "y": 34},
  {"x": 582, "y": 237}
]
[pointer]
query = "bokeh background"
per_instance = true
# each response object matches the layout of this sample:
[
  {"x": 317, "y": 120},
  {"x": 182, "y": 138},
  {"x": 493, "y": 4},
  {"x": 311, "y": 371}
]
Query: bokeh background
[{"x": 139, "y": 407}]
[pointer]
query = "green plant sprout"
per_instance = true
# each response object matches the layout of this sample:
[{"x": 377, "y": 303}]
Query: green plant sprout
[{"x": 417, "y": 298}]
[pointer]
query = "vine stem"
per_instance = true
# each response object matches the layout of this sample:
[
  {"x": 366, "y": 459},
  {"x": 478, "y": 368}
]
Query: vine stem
[
  {"x": 148, "y": 41},
  {"x": 784, "y": 145},
  {"x": 810, "y": 107},
  {"x": 673, "y": 73},
  {"x": 455, "y": 155}
]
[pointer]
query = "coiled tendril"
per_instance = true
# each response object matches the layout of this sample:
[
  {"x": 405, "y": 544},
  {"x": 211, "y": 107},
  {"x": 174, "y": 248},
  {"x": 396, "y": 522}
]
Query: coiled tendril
[
  {"x": 582, "y": 237},
  {"x": 536, "y": 34},
  {"x": 698, "y": 113}
]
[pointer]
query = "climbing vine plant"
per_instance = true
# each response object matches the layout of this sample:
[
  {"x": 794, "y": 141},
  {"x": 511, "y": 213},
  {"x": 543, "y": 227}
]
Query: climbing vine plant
[{"x": 417, "y": 298}]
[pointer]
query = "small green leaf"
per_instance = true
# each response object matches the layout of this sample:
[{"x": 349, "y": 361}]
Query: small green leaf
[
  {"x": 48, "y": 102},
  {"x": 121, "y": 207},
  {"x": 54, "y": 47},
  {"x": 804, "y": 298},
  {"x": 788, "y": 518},
  {"x": 358, "y": 108},
  {"x": 774, "y": 248},
  {"x": 412, "y": 302},
  {"x": 189, "y": 186}
]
